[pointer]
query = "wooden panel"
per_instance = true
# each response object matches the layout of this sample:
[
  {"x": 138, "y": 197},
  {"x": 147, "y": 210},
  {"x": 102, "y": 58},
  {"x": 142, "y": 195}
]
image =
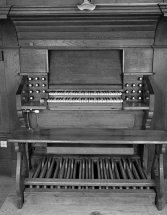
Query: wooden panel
[
  {"x": 9, "y": 37},
  {"x": 138, "y": 119},
  {"x": 138, "y": 60},
  {"x": 109, "y": 119},
  {"x": 4, "y": 115},
  {"x": 8, "y": 85},
  {"x": 62, "y": 32},
  {"x": 160, "y": 77},
  {"x": 33, "y": 61},
  {"x": 86, "y": 67},
  {"x": 9, "y": 68},
  {"x": 5, "y": 153},
  {"x": 8, "y": 77},
  {"x": 85, "y": 119},
  {"x": 160, "y": 90},
  {"x": 3, "y": 2},
  {"x": 87, "y": 150},
  {"x": 12, "y": 81},
  {"x": 5, "y": 167},
  {"x": 161, "y": 32}
]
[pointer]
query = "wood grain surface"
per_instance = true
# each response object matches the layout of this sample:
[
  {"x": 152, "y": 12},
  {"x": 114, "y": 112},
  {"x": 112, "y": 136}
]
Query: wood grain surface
[{"x": 96, "y": 136}]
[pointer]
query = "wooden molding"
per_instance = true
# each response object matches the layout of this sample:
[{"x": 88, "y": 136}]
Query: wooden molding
[
  {"x": 4, "y": 11},
  {"x": 163, "y": 7},
  {"x": 111, "y": 9},
  {"x": 108, "y": 26},
  {"x": 9, "y": 36},
  {"x": 161, "y": 33}
]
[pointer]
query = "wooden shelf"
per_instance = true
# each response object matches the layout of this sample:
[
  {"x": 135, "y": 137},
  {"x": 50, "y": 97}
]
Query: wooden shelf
[
  {"x": 130, "y": 105},
  {"x": 36, "y": 105}
]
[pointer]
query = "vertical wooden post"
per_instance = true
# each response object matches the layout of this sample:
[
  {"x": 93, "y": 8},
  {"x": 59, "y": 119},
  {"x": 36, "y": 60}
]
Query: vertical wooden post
[
  {"x": 147, "y": 122},
  {"x": 21, "y": 172},
  {"x": 144, "y": 151},
  {"x": 157, "y": 173}
]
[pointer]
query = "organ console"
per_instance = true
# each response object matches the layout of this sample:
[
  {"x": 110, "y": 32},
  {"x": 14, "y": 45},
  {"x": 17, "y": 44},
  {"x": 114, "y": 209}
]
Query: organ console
[{"x": 86, "y": 101}]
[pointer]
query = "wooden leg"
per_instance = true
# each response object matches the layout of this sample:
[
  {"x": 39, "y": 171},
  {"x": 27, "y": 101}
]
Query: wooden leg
[
  {"x": 21, "y": 173},
  {"x": 157, "y": 173},
  {"x": 19, "y": 182},
  {"x": 144, "y": 151},
  {"x": 25, "y": 169},
  {"x": 145, "y": 158},
  {"x": 20, "y": 200},
  {"x": 160, "y": 202},
  {"x": 154, "y": 165},
  {"x": 28, "y": 148}
]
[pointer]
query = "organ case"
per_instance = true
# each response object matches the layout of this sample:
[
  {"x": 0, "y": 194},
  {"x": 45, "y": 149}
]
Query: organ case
[{"x": 86, "y": 102}]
